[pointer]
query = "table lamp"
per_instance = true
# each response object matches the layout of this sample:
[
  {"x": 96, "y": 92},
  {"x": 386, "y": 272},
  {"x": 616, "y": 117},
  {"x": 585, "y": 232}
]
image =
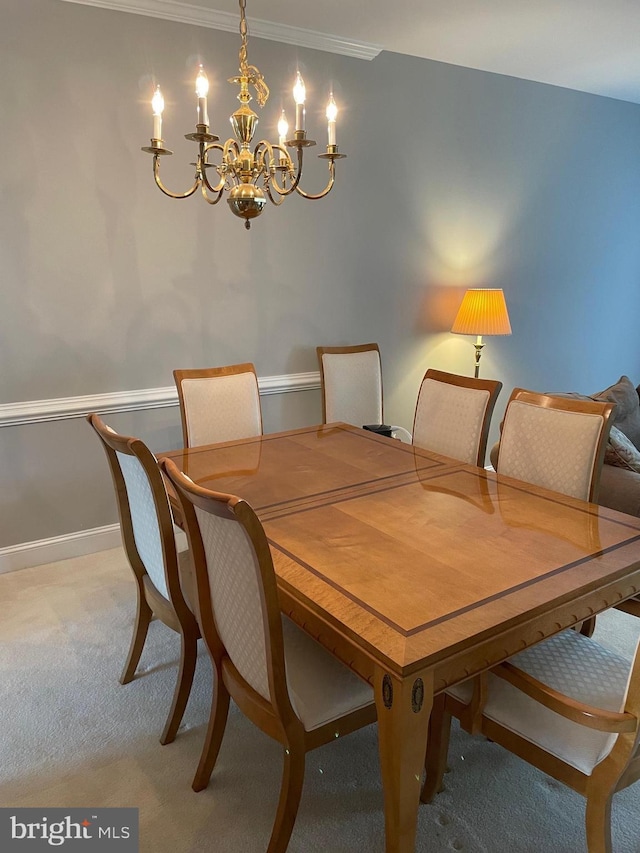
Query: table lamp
[{"x": 482, "y": 312}]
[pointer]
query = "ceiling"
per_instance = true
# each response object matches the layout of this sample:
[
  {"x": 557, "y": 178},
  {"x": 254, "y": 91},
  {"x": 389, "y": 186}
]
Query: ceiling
[{"x": 589, "y": 45}]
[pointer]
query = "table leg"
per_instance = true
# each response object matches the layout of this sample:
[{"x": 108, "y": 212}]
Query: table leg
[{"x": 404, "y": 706}]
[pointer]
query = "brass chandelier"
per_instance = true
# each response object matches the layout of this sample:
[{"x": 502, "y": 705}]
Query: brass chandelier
[{"x": 249, "y": 177}]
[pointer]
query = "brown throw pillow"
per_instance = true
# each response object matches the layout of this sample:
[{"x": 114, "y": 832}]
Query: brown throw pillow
[
  {"x": 620, "y": 452},
  {"x": 626, "y": 415}
]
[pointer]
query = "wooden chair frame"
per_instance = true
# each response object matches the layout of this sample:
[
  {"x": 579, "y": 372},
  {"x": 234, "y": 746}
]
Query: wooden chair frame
[
  {"x": 276, "y": 717},
  {"x": 173, "y": 611},
  {"x": 208, "y": 373},
  {"x": 491, "y": 386},
  {"x": 346, "y": 351}
]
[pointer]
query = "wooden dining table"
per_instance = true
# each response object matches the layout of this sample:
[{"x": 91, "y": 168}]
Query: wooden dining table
[{"x": 417, "y": 571}]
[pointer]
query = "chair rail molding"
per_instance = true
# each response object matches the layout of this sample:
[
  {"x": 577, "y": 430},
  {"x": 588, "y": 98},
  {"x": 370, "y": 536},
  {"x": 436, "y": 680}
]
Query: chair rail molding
[
  {"x": 187, "y": 13},
  {"x": 63, "y": 408}
]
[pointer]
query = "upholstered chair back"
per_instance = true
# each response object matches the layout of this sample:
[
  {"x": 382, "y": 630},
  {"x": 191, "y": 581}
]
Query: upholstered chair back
[
  {"x": 236, "y": 593},
  {"x": 453, "y": 414},
  {"x": 219, "y": 404},
  {"x": 144, "y": 519},
  {"x": 553, "y": 442},
  {"x": 351, "y": 384}
]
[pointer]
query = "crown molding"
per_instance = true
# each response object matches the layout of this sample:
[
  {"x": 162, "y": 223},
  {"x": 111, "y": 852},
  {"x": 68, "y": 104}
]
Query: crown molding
[{"x": 186, "y": 13}]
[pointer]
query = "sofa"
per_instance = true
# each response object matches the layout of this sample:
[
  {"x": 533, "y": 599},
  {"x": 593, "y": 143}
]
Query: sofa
[{"x": 620, "y": 479}]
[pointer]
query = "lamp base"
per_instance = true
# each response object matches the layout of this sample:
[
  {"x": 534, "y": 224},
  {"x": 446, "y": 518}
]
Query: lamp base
[{"x": 478, "y": 354}]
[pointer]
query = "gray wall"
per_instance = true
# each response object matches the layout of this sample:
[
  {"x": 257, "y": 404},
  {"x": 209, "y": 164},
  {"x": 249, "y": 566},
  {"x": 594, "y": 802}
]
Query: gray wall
[{"x": 455, "y": 179}]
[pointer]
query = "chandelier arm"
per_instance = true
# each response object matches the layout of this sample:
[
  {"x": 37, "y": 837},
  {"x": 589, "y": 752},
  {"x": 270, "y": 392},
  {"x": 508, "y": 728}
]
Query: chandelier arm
[
  {"x": 283, "y": 191},
  {"x": 326, "y": 190},
  {"x": 219, "y": 187},
  {"x": 230, "y": 143},
  {"x": 280, "y": 190},
  {"x": 226, "y": 169},
  {"x": 270, "y": 171},
  {"x": 207, "y": 198},
  {"x": 156, "y": 175},
  {"x": 277, "y": 201},
  {"x": 258, "y": 162},
  {"x": 263, "y": 146}
]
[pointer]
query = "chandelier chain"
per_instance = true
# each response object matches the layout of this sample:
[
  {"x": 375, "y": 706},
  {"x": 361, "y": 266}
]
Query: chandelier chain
[{"x": 246, "y": 70}]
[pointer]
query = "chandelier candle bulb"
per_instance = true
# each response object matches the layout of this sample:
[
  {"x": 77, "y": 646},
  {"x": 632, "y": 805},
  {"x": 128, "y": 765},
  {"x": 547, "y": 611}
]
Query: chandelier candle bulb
[
  {"x": 332, "y": 113},
  {"x": 157, "y": 105},
  {"x": 202, "y": 89},
  {"x": 299, "y": 95},
  {"x": 283, "y": 130}
]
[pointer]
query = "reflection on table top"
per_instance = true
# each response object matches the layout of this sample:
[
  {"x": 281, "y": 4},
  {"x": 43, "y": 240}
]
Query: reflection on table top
[{"x": 414, "y": 556}]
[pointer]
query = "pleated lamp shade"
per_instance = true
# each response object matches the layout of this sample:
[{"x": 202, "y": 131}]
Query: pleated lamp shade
[{"x": 482, "y": 312}]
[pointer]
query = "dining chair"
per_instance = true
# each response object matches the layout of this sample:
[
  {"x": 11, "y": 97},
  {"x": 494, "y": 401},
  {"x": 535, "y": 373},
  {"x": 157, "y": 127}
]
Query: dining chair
[
  {"x": 557, "y": 443},
  {"x": 544, "y": 713},
  {"x": 218, "y": 403},
  {"x": 163, "y": 575},
  {"x": 554, "y": 442},
  {"x": 453, "y": 414},
  {"x": 285, "y": 682},
  {"x": 569, "y": 707},
  {"x": 351, "y": 383}
]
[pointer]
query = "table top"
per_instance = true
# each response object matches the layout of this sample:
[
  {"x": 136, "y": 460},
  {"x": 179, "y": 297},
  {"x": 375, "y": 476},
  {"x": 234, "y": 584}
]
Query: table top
[{"x": 416, "y": 559}]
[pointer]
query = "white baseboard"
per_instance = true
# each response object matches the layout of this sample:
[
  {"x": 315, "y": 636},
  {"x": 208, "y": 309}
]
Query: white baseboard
[{"x": 29, "y": 554}]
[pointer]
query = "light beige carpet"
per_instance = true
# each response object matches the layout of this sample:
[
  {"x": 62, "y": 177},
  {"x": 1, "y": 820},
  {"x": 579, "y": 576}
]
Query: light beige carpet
[{"x": 71, "y": 735}]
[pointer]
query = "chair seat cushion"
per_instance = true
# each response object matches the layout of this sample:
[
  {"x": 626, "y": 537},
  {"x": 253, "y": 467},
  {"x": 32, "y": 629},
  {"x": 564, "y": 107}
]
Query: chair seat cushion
[
  {"x": 576, "y": 666},
  {"x": 321, "y": 688}
]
